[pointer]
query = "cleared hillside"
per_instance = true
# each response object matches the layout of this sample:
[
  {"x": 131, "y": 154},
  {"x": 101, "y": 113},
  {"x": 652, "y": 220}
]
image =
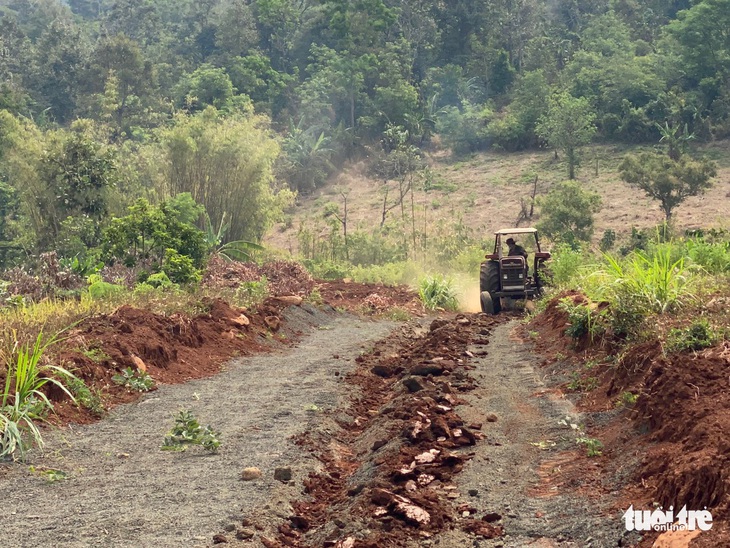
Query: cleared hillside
[{"x": 484, "y": 190}]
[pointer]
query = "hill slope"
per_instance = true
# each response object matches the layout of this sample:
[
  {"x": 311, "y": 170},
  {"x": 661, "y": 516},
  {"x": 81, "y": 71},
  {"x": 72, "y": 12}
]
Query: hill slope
[{"x": 485, "y": 191}]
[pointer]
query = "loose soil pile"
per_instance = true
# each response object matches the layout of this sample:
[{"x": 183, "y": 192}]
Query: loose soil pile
[
  {"x": 676, "y": 452},
  {"x": 177, "y": 348},
  {"x": 387, "y": 471},
  {"x": 171, "y": 349}
]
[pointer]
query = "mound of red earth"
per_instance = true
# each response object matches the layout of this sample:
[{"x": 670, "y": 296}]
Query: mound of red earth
[
  {"x": 680, "y": 421},
  {"x": 387, "y": 472},
  {"x": 171, "y": 349},
  {"x": 177, "y": 348},
  {"x": 369, "y": 298},
  {"x": 291, "y": 278},
  {"x": 282, "y": 277}
]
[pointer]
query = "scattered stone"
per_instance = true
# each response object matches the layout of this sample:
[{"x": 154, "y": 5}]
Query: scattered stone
[
  {"x": 411, "y": 486},
  {"x": 229, "y": 528},
  {"x": 337, "y": 373},
  {"x": 412, "y": 384},
  {"x": 245, "y": 534},
  {"x": 383, "y": 371},
  {"x": 473, "y": 492},
  {"x": 483, "y": 529},
  {"x": 300, "y": 522},
  {"x": 282, "y": 474},
  {"x": 272, "y": 322},
  {"x": 437, "y": 324},
  {"x": 269, "y": 543},
  {"x": 492, "y": 417},
  {"x": 452, "y": 495},
  {"x": 354, "y": 491},
  {"x": 492, "y": 517},
  {"x": 138, "y": 363},
  {"x": 340, "y": 524},
  {"x": 427, "y": 457},
  {"x": 241, "y": 321},
  {"x": 250, "y": 473},
  {"x": 289, "y": 299},
  {"x": 476, "y": 426},
  {"x": 468, "y": 354},
  {"x": 246, "y": 522},
  {"x": 123, "y": 455},
  {"x": 425, "y": 369},
  {"x": 463, "y": 320},
  {"x": 219, "y": 539},
  {"x": 378, "y": 444}
]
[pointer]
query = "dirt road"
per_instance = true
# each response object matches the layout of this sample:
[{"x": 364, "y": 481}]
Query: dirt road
[
  {"x": 122, "y": 490},
  {"x": 498, "y": 456}
]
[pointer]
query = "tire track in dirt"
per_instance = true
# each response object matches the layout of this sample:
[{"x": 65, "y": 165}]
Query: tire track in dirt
[
  {"x": 515, "y": 472},
  {"x": 122, "y": 490}
]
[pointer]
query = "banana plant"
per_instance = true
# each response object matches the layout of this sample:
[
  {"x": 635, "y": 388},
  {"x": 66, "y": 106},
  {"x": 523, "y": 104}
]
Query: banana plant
[{"x": 238, "y": 250}]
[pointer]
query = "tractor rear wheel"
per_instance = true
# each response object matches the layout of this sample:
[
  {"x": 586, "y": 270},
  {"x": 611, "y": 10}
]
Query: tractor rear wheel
[
  {"x": 489, "y": 284},
  {"x": 489, "y": 277}
]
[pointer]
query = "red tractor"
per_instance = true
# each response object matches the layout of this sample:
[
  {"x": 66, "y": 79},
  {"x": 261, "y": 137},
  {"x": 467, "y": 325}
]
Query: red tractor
[{"x": 506, "y": 273}]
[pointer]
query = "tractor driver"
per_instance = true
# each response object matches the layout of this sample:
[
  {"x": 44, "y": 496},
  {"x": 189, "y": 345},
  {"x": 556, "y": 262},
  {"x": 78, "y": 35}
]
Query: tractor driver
[{"x": 515, "y": 250}]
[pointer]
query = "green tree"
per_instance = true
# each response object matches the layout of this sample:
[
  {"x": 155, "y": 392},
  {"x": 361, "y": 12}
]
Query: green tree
[
  {"x": 567, "y": 126},
  {"x": 667, "y": 180},
  {"x": 77, "y": 174},
  {"x": 118, "y": 66},
  {"x": 701, "y": 33},
  {"x": 59, "y": 57},
  {"x": 208, "y": 86},
  {"x": 566, "y": 213},
  {"x": 150, "y": 235},
  {"x": 226, "y": 164}
]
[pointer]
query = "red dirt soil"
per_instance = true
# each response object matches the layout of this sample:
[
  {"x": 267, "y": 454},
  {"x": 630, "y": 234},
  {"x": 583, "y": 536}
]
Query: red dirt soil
[
  {"x": 177, "y": 348},
  {"x": 389, "y": 466},
  {"x": 172, "y": 349},
  {"x": 681, "y": 420}
]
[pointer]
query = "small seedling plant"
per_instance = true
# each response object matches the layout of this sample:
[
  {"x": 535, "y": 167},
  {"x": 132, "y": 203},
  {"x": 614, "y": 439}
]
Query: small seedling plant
[
  {"x": 139, "y": 381},
  {"x": 593, "y": 446},
  {"x": 187, "y": 431}
]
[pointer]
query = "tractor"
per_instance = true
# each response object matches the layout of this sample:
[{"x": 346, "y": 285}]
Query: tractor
[{"x": 508, "y": 277}]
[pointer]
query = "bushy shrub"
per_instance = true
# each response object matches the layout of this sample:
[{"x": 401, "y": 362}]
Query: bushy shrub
[
  {"x": 159, "y": 280},
  {"x": 567, "y": 213},
  {"x": 464, "y": 130},
  {"x": 713, "y": 257},
  {"x": 697, "y": 336},
  {"x": 565, "y": 265},
  {"x": 437, "y": 292},
  {"x": 99, "y": 289},
  {"x": 180, "y": 269}
]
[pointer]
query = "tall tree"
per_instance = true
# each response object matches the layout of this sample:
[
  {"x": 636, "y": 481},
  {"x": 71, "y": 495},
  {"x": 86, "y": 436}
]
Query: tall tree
[
  {"x": 225, "y": 163},
  {"x": 567, "y": 126}
]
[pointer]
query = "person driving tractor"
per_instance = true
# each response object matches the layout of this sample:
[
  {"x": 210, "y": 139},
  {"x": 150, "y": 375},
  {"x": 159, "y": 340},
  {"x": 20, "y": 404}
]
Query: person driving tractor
[{"x": 515, "y": 250}]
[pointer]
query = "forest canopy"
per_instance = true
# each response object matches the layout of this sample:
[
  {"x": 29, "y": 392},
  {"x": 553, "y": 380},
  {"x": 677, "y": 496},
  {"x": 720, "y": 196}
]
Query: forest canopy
[{"x": 239, "y": 102}]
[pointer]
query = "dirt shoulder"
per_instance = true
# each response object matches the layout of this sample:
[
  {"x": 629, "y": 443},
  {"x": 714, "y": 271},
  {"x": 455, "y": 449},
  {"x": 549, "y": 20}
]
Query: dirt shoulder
[{"x": 122, "y": 490}]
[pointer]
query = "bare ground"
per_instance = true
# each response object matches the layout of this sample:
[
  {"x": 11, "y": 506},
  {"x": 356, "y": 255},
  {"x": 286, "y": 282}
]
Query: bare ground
[
  {"x": 516, "y": 471},
  {"x": 122, "y": 490},
  {"x": 484, "y": 191}
]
